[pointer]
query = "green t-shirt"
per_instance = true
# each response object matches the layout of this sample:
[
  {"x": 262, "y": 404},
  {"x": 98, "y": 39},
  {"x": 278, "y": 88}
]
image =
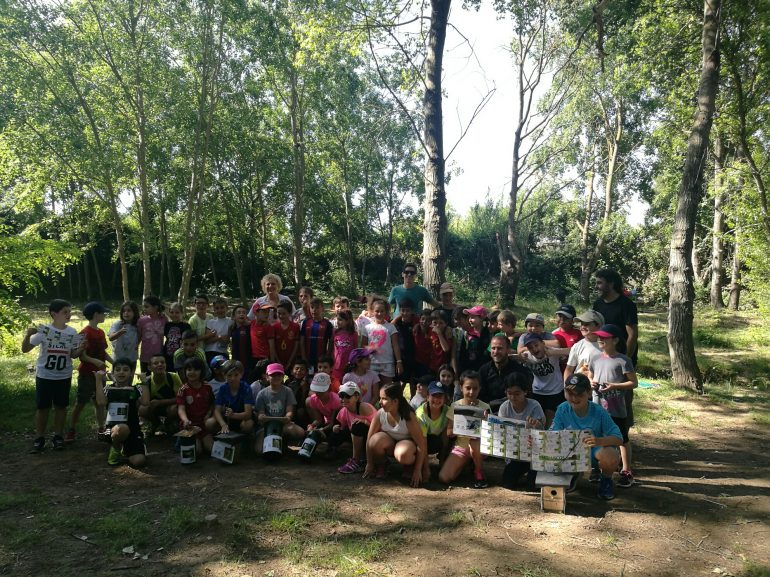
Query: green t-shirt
[{"x": 430, "y": 426}]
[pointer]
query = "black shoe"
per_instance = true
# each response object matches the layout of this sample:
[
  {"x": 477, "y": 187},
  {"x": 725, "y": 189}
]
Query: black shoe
[
  {"x": 58, "y": 442},
  {"x": 38, "y": 446}
]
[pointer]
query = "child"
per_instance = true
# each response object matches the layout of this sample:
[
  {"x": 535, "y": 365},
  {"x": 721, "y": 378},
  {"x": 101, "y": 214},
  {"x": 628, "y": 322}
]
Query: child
[
  {"x": 442, "y": 344},
  {"x": 359, "y": 372},
  {"x": 260, "y": 333},
  {"x": 535, "y": 323},
  {"x": 258, "y": 377},
  {"x": 53, "y": 380},
  {"x": 234, "y": 403},
  {"x": 345, "y": 340},
  {"x": 474, "y": 352},
  {"x": 395, "y": 431},
  {"x": 432, "y": 416},
  {"x": 492, "y": 325},
  {"x": 448, "y": 307},
  {"x": 198, "y": 320},
  {"x": 448, "y": 381},
  {"x": 124, "y": 335},
  {"x": 217, "y": 334},
  {"x": 548, "y": 386},
  {"x": 190, "y": 350},
  {"x": 150, "y": 326},
  {"x": 613, "y": 379},
  {"x": 322, "y": 405},
  {"x": 517, "y": 406},
  {"x": 93, "y": 358},
  {"x": 466, "y": 449},
  {"x": 300, "y": 386},
  {"x": 276, "y": 403},
  {"x": 315, "y": 335},
  {"x": 325, "y": 365},
  {"x": 163, "y": 387},
  {"x": 173, "y": 330},
  {"x": 421, "y": 394},
  {"x": 381, "y": 338},
  {"x": 240, "y": 338},
  {"x": 196, "y": 402},
  {"x": 339, "y": 304},
  {"x": 506, "y": 321},
  {"x": 217, "y": 375},
  {"x": 422, "y": 346},
  {"x": 353, "y": 421},
  {"x": 304, "y": 296},
  {"x": 283, "y": 339},
  {"x": 126, "y": 438},
  {"x": 405, "y": 324},
  {"x": 565, "y": 332},
  {"x": 587, "y": 348},
  {"x": 579, "y": 413}
]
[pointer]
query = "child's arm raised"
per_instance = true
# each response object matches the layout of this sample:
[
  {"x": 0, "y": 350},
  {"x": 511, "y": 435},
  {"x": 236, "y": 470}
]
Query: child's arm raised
[
  {"x": 26, "y": 345},
  {"x": 556, "y": 352}
]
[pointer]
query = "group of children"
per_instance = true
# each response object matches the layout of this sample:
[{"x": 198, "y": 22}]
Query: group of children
[{"x": 339, "y": 381}]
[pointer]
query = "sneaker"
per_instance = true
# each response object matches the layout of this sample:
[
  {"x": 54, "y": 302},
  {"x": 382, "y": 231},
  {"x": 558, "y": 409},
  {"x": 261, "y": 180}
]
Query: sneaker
[
  {"x": 606, "y": 489},
  {"x": 114, "y": 457},
  {"x": 596, "y": 475},
  {"x": 626, "y": 479},
  {"x": 480, "y": 482},
  {"x": 381, "y": 472},
  {"x": 39, "y": 445},
  {"x": 69, "y": 436},
  {"x": 105, "y": 436},
  {"x": 57, "y": 442},
  {"x": 352, "y": 466}
]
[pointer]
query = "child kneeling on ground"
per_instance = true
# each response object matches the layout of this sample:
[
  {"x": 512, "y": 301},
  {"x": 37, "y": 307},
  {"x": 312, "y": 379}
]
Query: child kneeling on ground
[
  {"x": 579, "y": 413},
  {"x": 276, "y": 403},
  {"x": 234, "y": 403},
  {"x": 353, "y": 421},
  {"x": 195, "y": 401},
  {"x": 126, "y": 437}
]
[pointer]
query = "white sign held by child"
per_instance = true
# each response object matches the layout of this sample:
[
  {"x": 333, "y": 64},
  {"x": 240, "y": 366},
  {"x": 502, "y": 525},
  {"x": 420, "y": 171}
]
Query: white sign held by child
[
  {"x": 506, "y": 438},
  {"x": 560, "y": 451},
  {"x": 467, "y": 421}
]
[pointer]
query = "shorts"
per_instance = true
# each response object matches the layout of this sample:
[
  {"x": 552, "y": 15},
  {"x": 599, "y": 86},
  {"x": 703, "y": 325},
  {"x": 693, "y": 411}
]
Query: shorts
[
  {"x": 134, "y": 444},
  {"x": 385, "y": 369},
  {"x": 549, "y": 402},
  {"x": 464, "y": 452},
  {"x": 52, "y": 392},
  {"x": 622, "y": 423},
  {"x": 86, "y": 387},
  {"x": 435, "y": 445}
]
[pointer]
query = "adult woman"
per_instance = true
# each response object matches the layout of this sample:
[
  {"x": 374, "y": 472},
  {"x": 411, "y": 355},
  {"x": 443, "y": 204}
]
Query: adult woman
[
  {"x": 395, "y": 431},
  {"x": 271, "y": 286}
]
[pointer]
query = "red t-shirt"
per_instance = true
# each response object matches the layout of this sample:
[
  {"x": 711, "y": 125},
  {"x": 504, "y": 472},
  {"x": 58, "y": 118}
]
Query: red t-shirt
[
  {"x": 568, "y": 338},
  {"x": 197, "y": 402},
  {"x": 285, "y": 339},
  {"x": 437, "y": 355},
  {"x": 96, "y": 348},
  {"x": 422, "y": 347},
  {"x": 260, "y": 346}
]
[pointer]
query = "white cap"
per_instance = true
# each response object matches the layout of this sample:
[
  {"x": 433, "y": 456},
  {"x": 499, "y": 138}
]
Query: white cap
[{"x": 320, "y": 383}]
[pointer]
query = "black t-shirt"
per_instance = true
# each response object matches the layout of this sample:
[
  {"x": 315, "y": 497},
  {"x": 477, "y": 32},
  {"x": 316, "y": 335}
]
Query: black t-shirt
[
  {"x": 493, "y": 379},
  {"x": 448, "y": 315},
  {"x": 620, "y": 312},
  {"x": 405, "y": 339}
]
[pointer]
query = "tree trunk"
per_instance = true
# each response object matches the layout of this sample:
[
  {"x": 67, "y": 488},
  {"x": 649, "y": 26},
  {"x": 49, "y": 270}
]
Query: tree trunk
[
  {"x": 435, "y": 224},
  {"x": 346, "y": 198},
  {"x": 389, "y": 243},
  {"x": 235, "y": 249},
  {"x": 718, "y": 227},
  {"x": 684, "y": 365},
  {"x": 98, "y": 275},
  {"x": 87, "y": 278},
  {"x": 585, "y": 274},
  {"x": 735, "y": 279},
  {"x": 298, "y": 216}
]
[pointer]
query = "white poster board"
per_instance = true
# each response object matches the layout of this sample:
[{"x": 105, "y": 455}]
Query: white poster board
[
  {"x": 467, "y": 421},
  {"x": 560, "y": 451},
  {"x": 505, "y": 438}
]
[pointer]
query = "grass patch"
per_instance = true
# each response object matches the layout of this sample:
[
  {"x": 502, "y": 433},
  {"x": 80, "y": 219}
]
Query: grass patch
[
  {"x": 324, "y": 510},
  {"x": 26, "y": 502},
  {"x": 348, "y": 555},
  {"x": 286, "y": 522},
  {"x": 751, "y": 569},
  {"x": 532, "y": 571},
  {"x": 386, "y": 508},
  {"x": 458, "y": 517}
]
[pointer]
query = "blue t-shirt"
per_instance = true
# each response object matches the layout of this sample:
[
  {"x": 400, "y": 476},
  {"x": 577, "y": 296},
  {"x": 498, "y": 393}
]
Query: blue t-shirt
[
  {"x": 244, "y": 396},
  {"x": 597, "y": 420},
  {"x": 417, "y": 294}
]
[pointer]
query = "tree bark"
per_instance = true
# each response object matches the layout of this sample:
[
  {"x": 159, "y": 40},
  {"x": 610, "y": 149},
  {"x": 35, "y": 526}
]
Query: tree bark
[
  {"x": 435, "y": 224},
  {"x": 98, "y": 275},
  {"x": 735, "y": 278},
  {"x": 684, "y": 365},
  {"x": 585, "y": 275},
  {"x": 718, "y": 227},
  {"x": 298, "y": 216}
]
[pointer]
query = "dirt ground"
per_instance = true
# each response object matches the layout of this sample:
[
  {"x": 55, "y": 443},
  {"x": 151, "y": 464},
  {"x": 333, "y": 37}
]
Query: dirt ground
[{"x": 701, "y": 507}]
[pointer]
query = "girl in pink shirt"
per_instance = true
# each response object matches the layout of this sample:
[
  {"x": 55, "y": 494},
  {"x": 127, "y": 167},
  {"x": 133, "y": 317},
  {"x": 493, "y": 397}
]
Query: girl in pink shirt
[
  {"x": 353, "y": 421},
  {"x": 345, "y": 340},
  {"x": 150, "y": 327}
]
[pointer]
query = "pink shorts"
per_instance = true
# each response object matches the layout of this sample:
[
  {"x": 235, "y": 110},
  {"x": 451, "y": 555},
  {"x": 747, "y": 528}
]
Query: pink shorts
[{"x": 461, "y": 451}]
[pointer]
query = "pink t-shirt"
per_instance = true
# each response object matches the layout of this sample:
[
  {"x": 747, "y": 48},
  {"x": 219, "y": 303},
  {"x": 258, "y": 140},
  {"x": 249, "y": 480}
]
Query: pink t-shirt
[
  {"x": 326, "y": 409},
  {"x": 365, "y": 382},
  {"x": 151, "y": 334},
  {"x": 344, "y": 342},
  {"x": 346, "y": 418}
]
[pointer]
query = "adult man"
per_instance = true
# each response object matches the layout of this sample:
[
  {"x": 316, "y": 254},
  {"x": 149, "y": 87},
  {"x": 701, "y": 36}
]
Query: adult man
[
  {"x": 493, "y": 374},
  {"x": 617, "y": 309},
  {"x": 411, "y": 290}
]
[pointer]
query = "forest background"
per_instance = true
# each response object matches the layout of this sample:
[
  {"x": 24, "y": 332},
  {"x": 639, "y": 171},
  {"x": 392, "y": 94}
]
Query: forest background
[{"x": 154, "y": 147}]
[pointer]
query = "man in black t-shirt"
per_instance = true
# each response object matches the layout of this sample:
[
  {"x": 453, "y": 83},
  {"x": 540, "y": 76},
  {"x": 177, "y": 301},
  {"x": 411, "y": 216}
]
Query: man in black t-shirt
[
  {"x": 618, "y": 310},
  {"x": 493, "y": 375}
]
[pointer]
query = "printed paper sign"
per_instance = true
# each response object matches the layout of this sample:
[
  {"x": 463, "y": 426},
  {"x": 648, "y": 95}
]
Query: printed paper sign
[
  {"x": 467, "y": 421},
  {"x": 560, "y": 451},
  {"x": 506, "y": 438}
]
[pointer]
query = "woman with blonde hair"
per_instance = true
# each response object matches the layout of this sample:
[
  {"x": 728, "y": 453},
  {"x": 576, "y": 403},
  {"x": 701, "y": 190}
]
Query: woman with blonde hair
[{"x": 271, "y": 286}]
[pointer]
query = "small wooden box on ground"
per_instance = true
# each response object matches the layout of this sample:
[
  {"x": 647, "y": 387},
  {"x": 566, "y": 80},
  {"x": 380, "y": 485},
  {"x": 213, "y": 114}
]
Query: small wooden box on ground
[{"x": 553, "y": 490}]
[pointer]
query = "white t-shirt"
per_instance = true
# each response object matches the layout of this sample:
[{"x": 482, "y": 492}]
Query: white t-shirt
[
  {"x": 126, "y": 346},
  {"x": 222, "y": 328},
  {"x": 548, "y": 375},
  {"x": 379, "y": 341},
  {"x": 583, "y": 352},
  {"x": 56, "y": 345},
  {"x": 416, "y": 400},
  {"x": 533, "y": 409}
]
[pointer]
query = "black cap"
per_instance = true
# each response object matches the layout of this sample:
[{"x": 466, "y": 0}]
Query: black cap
[
  {"x": 566, "y": 310},
  {"x": 527, "y": 338},
  {"x": 577, "y": 382},
  {"x": 92, "y": 308}
]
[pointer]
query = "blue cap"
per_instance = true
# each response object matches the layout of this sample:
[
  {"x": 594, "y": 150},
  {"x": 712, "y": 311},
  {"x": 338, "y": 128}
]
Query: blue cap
[
  {"x": 527, "y": 338},
  {"x": 435, "y": 388},
  {"x": 217, "y": 362}
]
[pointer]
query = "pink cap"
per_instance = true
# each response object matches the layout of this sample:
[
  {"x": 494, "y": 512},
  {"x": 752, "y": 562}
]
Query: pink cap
[
  {"x": 275, "y": 369},
  {"x": 477, "y": 311}
]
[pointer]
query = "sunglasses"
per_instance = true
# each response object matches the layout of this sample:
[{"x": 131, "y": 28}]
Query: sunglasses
[
  {"x": 345, "y": 396},
  {"x": 410, "y": 272}
]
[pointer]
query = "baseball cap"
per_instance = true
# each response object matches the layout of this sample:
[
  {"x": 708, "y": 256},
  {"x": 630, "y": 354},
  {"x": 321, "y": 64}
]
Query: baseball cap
[
  {"x": 577, "y": 382},
  {"x": 266, "y": 306},
  {"x": 94, "y": 307},
  {"x": 591, "y": 316},
  {"x": 275, "y": 369},
  {"x": 349, "y": 388},
  {"x": 446, "y": 288},
  {"x": 567, "y": 311},
  {"x": 608, "y": 331},
  {"x": 534, "y": 318},
  {"x": 477, "y": 311},
  {"x": 528, "y": 338},
  {"x": 320, "y": 383},
  {"x": 217, "y": 362},
  {"x": 357, "y": 354},
  {"x": 435, "y": 388}
]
